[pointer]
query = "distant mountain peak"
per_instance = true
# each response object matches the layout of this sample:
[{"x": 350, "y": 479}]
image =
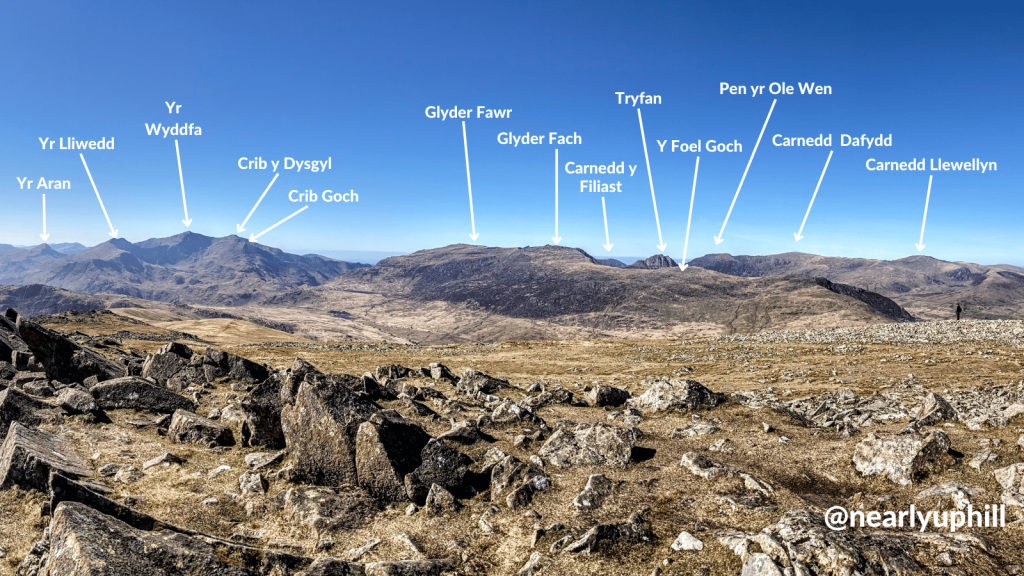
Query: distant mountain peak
[{"x": 656, "y": 262}]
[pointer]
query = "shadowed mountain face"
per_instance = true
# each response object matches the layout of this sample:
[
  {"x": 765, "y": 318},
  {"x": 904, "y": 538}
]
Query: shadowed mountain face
[
  {"x": 481, "y": 293},
  {"x": 187, "y": 268},
  {"x": 928, "y": 288}
]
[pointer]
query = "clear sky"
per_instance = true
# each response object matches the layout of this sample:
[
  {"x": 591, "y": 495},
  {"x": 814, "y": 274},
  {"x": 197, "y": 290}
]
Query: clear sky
[{"x": 352, "y": 80}]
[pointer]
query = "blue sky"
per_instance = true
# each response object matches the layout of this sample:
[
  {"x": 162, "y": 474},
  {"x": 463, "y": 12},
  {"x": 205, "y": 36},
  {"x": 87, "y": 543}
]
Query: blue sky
[{"x": 352, "y": 80}]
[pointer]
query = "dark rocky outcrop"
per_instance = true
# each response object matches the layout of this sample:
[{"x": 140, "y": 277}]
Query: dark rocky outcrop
[
  {"x": 219, "y": 364},
  {"x": 134, "y": 393},
  {"x": 16, "y": 406},
  {"x": 169, "y": 360},
  {"x": 189, "y": 428},
  {"x": 388, "y": 448},
  {"x": 441, "y": 465},
  {"x": 262, "y": 408},
  {"x": 320, "y": 431},
  {"x": 63, "y": 359},
  {"x": 607, "y": 396}
]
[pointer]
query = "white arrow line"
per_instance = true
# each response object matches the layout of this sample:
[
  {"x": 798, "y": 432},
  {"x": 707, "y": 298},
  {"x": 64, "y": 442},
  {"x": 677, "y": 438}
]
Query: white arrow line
[
  {"x": 693, "y": 193},
  {"x": 718, "y": 239},
  {"x": 920, "y": 244},
  {"x": 187, "y": 221},
  {"x": 800, "y": 235},
  {"x": 607, "y": 241},
  {"x": 650, "y": 178},
  {"x": 112, "y": 231},
  {"x": 556, "y": 238},
  {"x": 241, "y": 227},
  {"x": 253, "y": 237},
  {"x": 469, "y": 183},
  {"x": 44, "y": 235}
]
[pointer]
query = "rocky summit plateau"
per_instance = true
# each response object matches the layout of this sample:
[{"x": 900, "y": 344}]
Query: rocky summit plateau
[{"x": 145, "y": 451}]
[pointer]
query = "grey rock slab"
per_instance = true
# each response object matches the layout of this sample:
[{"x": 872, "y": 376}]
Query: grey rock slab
[
  {"x": 28, "y": 456},
  {"x": 903, "y": 458},
  {"x": 596, "y": 445},
  {"x": 132, "y": 392}
]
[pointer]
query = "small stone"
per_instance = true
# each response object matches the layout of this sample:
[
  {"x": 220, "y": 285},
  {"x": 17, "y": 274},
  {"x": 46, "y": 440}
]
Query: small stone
[
  {"x": 252, "y": 483},
  {"x": 783, "y": 440},
  {"x": 721, "y": 446},
  {"x": 592, "y": 497},
  {"x": 128, "y": 475},
  {"x": 686, "y": 541},
  {"x": 357, "y": 553},
  {"x": 768, "y": 428},
  {"x": 217, "y": 471},
  {"x": 411, "y": 509},
  {"x": 133, "y": 500},
  {"x": 259, "y": 460},
  {"x": 108, "y": 470},
  {"x": 409, "y": 542},
  {"x": 211, "y": 501},
  {"x": 165, "y": 459},
  {"x": 979, "y": 459}
]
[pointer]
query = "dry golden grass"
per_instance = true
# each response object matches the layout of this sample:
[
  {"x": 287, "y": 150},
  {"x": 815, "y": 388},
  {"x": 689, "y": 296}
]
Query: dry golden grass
[{"x": 813, "y": 470}]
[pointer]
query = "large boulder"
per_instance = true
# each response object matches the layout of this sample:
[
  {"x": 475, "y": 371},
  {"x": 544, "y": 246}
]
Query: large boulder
[
  {"x": 63, "y": 359},
  {"x": 86, "y": 542},
  {"x": 320, "y": 431},
  {"x": 679, "y": 395},
  {"x": 607, "y": 396},
  {"x": 388, "y": 448},
  {"x": 76, "y": 401},
  {"x": 442, "y": 465},
  {"x": 190, "y": 428},
  {"x": 473, "y": 381},
  {"x": 261, "y": 409},
  {"x": 134, "y": 393},
  {"x": 220, "y": 364},
  {"x": 595, "y": 445},
  {"x": 167, "y": 363},
  {"x": 28, "y": 456},
  {"x": 903, "y": 458},
  {"x": 16, "y": 406}
]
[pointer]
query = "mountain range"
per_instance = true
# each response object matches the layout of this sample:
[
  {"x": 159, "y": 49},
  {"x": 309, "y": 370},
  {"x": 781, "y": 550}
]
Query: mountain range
[
  {"x": 473, "y": 293},
  {"x": 186, "y": 268},
  {"x": 930, "y": 289}
]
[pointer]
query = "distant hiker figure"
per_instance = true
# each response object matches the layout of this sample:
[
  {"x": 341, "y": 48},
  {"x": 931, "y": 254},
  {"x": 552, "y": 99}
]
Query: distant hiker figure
[{"x": 958, "y": 311}]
